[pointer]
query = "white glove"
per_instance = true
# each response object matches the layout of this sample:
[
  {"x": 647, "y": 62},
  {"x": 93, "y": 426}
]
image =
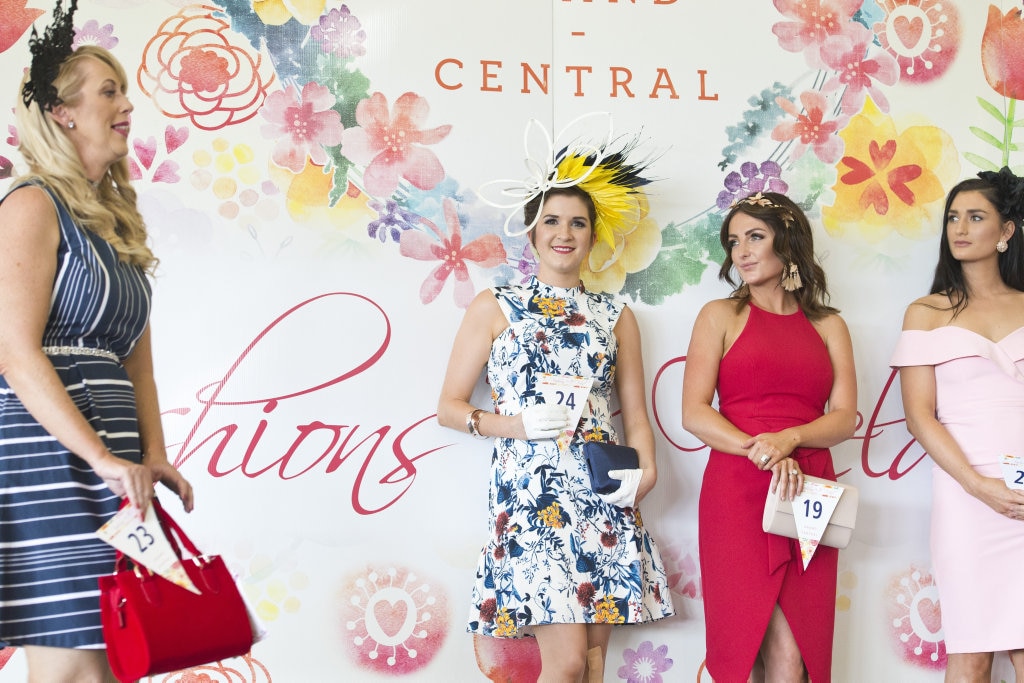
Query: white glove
[
  {"x": 545, "y": 421},
  {"x": 625, "y": 495}
]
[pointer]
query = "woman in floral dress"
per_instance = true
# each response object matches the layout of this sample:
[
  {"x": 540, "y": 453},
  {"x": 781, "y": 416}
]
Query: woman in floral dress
[{"x": 562, "y": 563}]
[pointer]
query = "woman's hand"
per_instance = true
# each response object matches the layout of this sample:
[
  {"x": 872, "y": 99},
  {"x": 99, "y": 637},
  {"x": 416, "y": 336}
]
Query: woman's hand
[
  {"x": 787, "y": 473},
  {"x": 998, "y": 496},
  {"x": 544, "y": 421},
  {"x": 127, "y": 479},
  {"x": 169, "y": 476},
  {"x": 766, "y": 450}
]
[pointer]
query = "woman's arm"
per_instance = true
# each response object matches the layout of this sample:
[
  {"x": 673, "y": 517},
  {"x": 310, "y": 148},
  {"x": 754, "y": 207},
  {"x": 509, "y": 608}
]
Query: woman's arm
[
  {"x": 30, "y": 236},
  {"x": 481, "y": 325},
  {"x": 632, "y": 390},
  {"x": 917, "y": 386},
  {"x": 139, "y": 366},
  {"x": 700, "y": 380}
]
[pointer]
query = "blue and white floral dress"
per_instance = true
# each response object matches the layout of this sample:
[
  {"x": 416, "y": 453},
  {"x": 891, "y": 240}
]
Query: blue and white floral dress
[{"x": 557, "y": 553}]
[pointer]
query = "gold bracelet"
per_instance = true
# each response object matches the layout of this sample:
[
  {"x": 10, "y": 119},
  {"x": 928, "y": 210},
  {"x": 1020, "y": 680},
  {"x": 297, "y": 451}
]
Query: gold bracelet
[{"x": 473, "y": 422}]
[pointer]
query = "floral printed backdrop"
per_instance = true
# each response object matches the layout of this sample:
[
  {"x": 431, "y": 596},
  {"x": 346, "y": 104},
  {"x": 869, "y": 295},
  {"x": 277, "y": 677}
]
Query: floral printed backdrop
[{"x": 309, "y": 171}]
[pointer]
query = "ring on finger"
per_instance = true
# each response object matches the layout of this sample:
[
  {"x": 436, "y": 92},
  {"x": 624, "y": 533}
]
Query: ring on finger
[
  {"x": 794, "y": 472},
  {"x": 765, "y": 459}
]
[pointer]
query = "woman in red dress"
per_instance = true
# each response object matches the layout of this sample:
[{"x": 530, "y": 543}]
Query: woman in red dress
[{"x": 781, "y": 361}]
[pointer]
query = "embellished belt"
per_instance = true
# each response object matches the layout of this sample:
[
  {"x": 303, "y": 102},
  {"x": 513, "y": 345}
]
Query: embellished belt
[{"x": 80, "y": 351}]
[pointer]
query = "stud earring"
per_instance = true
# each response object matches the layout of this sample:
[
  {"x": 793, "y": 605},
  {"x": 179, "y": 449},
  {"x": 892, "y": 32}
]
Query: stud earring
[
  {"x": 71, "y": 125},
  {"x": 1002, "y": 246}
]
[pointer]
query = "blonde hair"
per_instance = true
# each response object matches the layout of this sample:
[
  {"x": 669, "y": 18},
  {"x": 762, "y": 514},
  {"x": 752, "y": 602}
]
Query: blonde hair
[{"x": 107, "y": 209}]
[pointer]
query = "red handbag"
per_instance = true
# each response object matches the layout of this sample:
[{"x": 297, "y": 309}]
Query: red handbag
[{"x": 152, "y": 625}]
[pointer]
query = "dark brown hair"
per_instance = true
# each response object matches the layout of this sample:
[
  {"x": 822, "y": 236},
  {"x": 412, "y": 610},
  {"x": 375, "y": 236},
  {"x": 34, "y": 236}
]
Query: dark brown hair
[{"x": 792, "y": 242}]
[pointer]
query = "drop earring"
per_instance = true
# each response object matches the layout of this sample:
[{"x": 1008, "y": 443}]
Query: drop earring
[
  {"x": 1002, "y": 246},
  {"x": 791, "y": 280}
]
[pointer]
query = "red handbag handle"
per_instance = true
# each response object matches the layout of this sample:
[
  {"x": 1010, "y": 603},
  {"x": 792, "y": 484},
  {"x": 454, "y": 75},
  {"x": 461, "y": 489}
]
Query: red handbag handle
[{"x": 168, "y": 525}]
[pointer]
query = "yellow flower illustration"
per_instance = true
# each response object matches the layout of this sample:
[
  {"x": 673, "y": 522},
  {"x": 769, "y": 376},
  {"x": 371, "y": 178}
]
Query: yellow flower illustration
[
  {"x": 505, "y": 625},
  {"x": 634, "y": 250},
  {"x": 550, "y": 306},
  {"x": 605, "y": 611},
  {"x": 891, "y": 178},
  {"x": 552, "y": 516},
  {"x": 277, "y": 12}
]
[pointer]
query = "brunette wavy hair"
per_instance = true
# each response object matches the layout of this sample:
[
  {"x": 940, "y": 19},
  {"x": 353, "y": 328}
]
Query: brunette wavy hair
[{"x": 792, "y": 242}]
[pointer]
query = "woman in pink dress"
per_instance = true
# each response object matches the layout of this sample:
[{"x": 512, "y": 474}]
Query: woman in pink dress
[
  {"x": 781, "y": 361},
  {"x": 961, "y": 360}
]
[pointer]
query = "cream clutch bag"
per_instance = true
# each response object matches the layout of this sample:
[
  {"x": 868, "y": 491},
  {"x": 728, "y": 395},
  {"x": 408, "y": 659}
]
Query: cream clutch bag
[{"x": 778, "y": 516}]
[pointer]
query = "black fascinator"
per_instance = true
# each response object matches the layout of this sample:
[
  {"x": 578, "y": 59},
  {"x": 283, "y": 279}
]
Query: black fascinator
[
  {"x": 48, "y": 53},
  {"x": 1010, "y": 189}
]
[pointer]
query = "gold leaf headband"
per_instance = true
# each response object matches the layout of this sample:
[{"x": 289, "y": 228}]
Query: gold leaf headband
[{"x": 760, "y": 200}]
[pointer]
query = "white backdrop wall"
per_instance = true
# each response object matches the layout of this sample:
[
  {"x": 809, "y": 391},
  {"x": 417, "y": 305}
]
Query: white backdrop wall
[{"x": 299, "y": 353}]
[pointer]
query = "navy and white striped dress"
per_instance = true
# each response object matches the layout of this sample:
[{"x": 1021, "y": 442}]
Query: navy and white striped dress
[{"x": 51, "y": 502}]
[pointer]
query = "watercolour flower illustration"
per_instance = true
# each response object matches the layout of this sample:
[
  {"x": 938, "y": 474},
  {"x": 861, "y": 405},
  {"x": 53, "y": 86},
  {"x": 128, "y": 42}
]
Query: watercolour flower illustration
[
  {"x": 278, "y": 12},
  {"x": 192, "y": 68},
  {"x": 91, "y": 33},
  {"x": 922, "y": 35},
  {"x": 145, "y": 154},
  {"x": 645, "y": 664},
  {"x": 1001, "y": 58},
  {"x": 1004, "y": 70},
  {"x": 339, "y": 33},
  {"x": 815, "y": 21},
  {"x": 857, "y": 74},
  {"x": 302, "y": 125},
  {"x": 890, "y": 179},
  {"x": 390, "y": 144},
  {"x": 810, "y": 129},
  {"x": 392, "y": 220},
  {"x": 486, "y": 251},
  {"x": 750, "y": 179}
]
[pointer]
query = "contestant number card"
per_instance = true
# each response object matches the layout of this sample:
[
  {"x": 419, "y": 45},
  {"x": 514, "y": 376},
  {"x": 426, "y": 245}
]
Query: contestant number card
[
  {"x": 570, "y": 391},
  {"x": 812, "y": 509},
  {"x": 1013, "y": 471},
  {"x": 145, "y": 542}
]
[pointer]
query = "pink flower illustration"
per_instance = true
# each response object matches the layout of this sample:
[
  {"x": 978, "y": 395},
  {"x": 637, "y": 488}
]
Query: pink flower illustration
[
  {"x": 486, "y": 251},
  {"x": 389, "y": 146},
  {"x": 855, "y": 72},
  {"x": 816, "y": 20},
  {"x": 810, "y": 128},
  {"x": 302, "y": 125}
]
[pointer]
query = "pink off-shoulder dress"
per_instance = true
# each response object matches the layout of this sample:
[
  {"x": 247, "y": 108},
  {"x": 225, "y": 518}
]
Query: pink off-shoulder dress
[{"x": 977, "y": 554}]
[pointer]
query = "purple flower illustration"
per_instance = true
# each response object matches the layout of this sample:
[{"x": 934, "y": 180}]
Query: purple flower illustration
[
  {"x": 392, "y": 219},
  {"x": 751, "y": 179},
  {"x": 91, "y": 33},
  {"x": 340, "y": 34},
  {"x": 645, "y": 664}
]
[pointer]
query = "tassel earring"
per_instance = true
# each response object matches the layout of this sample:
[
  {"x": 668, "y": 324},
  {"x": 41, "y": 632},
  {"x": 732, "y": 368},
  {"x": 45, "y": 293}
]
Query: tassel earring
[
  {"x": 791, "y": 280},
  {"x": 1002, "y": 246}
]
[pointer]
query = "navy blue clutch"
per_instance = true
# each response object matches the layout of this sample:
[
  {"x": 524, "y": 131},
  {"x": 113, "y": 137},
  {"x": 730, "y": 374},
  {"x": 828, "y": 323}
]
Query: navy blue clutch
[{"x": 603, "y": 457}]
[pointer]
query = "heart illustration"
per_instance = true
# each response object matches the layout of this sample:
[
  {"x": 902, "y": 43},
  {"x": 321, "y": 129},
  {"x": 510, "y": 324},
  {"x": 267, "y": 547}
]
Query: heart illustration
[
  {"x": 908, "y": 30},
  {"x": 931, "y": 615},
  {"x": 390, "y": 615},
  {"x": 175, "y": 137},
  {"x": 145, "y": 150}
]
